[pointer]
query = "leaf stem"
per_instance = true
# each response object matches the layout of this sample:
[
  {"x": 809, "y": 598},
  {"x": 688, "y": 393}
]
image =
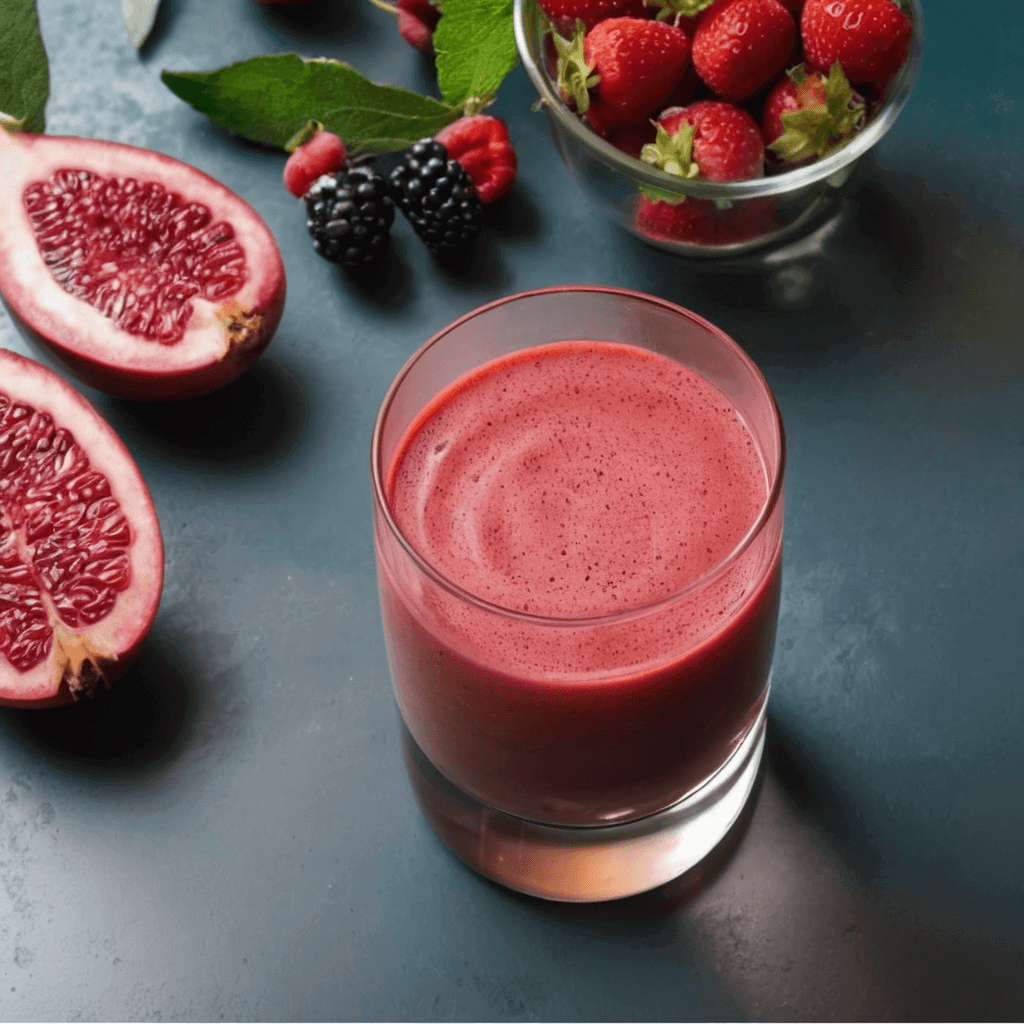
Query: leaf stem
[{"x": 390, "y": 8}]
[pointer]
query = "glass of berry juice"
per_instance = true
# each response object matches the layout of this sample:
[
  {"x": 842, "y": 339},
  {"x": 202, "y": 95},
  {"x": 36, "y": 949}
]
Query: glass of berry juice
[{"x": 578, "y": 510}]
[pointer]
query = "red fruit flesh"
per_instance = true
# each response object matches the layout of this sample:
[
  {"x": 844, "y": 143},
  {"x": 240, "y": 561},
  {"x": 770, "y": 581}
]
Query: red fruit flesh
[
  {"x": 324, "y": 153},
  {"x": 481, "y": 145},
  {"x": 81, "y": 556},
  {"x": 145, "y": 277}
]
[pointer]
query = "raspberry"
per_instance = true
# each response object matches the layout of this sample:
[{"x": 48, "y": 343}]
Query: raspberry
[
  {"x": 349, "y": 216},
  {"x": 481, "y": 145},
  {"x": 313, "y": 152},
  {"x": 437, "y": 195},
  {"x": 417, "y": 20}
]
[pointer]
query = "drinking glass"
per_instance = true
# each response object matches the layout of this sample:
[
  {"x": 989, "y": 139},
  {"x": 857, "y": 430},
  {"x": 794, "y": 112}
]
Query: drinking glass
[{"x": 611, "y": 769}]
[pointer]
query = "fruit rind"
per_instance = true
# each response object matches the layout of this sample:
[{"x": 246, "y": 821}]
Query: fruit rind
[
  {"x": 111, "y": 643},
  {"x": 89, "y": 345}
]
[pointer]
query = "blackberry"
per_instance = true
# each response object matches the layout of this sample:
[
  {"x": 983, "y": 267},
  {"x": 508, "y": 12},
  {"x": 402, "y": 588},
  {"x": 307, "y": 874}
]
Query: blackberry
[
  {"x": 437, "y": 195},
  {"x": 350, "y": 212}
]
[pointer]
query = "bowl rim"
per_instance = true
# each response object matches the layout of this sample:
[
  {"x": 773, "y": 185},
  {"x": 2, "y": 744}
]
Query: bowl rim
[{"x": 526, "y": 17}]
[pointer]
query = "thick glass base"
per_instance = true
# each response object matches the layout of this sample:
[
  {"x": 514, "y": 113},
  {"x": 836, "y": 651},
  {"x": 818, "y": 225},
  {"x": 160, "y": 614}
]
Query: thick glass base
[{"x": 589, "y": 864}]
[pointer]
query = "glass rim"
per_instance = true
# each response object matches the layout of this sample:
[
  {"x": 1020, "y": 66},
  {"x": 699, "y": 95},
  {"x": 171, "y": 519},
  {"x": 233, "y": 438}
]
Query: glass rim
[
  {"x": 770, "y": 185},
  {"x": 378, "y": 469}
]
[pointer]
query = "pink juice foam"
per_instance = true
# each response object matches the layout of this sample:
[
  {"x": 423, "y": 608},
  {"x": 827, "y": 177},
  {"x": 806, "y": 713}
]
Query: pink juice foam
[{"x": 589, "y": 482}]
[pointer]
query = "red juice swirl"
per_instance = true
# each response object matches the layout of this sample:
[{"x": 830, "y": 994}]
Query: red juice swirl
[{"x": 581, "y": 481}]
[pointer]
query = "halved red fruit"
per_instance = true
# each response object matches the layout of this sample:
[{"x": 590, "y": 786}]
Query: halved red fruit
[
  {"x": 147, "y": 278},
  {"x": 81, "y": 555}
]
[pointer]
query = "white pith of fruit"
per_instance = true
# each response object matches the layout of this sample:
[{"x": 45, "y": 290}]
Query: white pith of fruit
[
  {"x": 41, "y": 302},
  {"x": 121, "y": 630}
]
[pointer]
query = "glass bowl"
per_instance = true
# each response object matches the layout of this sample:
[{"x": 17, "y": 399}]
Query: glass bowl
[{"x": 735, "y": 217}]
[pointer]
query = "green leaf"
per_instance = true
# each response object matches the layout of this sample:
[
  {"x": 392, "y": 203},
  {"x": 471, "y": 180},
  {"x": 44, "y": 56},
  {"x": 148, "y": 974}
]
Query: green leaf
[
  {"x": 268, "y": 99},
  {"x": 475, "y": 49},
  {"x": 139, "y": 16},
  {"x": 24, "y": 71}
]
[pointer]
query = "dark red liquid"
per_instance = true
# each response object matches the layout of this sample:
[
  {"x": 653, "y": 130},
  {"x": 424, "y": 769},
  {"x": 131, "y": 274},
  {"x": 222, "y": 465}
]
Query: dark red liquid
[{"x": 590, "y": 482}]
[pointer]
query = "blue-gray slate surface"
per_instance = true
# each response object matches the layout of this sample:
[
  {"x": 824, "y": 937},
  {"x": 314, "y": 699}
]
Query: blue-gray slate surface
[{"x": 229, "y": 832}]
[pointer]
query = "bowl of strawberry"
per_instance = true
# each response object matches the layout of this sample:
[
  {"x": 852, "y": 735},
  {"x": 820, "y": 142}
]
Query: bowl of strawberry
[{"x": 715, "y": 127}]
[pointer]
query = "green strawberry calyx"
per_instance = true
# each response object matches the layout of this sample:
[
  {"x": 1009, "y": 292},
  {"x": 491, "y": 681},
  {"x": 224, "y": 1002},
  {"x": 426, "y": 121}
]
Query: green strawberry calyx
[
  {"x": 673, "y": 153},
  {"x": 575, "y": 77},
  {"x": 825, "y": 120},
  {"x": 678, "y": 8}
]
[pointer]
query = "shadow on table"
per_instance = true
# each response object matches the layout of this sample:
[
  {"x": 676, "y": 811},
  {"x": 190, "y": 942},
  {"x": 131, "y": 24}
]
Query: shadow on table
[
  {"x": 481, "y": 269},
  {"x": 319, "y": 23},
  {"x": 803, "y": 926},
  {"x": 129, "y": 734},
  {"x": 779, "y": 924},
  {"x": 922, "y": 249},
  {"x": 868, "y": 255},
  {"x": 255, "y": 421}
]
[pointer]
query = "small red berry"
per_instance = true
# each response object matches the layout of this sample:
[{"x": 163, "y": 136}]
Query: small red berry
[
  {"x": 623, "y": 70},
  {"x": 869, "y": 38},
  {"x": 480, "y": 143},
  {"x": 692, "y": 220},
  {"x": 417, "y": 20},
  {"x": 722, "y": 142},
  {"x": 321, "y": 153},
  {"x": 701, "y": 222},
  {"x": 808, "y": 114},
  {"x": 717, "y": 141},
  {"x": 741, "y": 45}
]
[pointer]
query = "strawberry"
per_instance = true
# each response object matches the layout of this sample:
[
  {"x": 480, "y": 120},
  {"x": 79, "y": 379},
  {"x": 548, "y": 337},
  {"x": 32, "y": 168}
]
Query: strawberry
[
  {"x": 807, "y": 115},
  {"x": 563, "y": 14},
  {"x": 417, "y": 20},
  {"x": 481, "y": 145},
  {"x": 869, "y": 38},
  {"x": 709, "y": 139},
  {"x": 622, "y": 70},
  {"x": 701, "y": 222},
  {"x": 692, "y": 220},
  {"x": 741, "y": 45}
]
